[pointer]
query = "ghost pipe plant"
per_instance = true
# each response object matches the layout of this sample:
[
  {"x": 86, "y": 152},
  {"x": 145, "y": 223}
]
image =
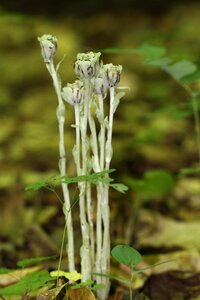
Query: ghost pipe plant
[
  {"x": 48, "y": 45},
  {"x": 92, "y": 153}
]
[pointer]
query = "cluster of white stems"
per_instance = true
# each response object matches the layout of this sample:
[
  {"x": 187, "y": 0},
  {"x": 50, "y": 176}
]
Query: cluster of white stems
[{"x": 92, "y": 152}]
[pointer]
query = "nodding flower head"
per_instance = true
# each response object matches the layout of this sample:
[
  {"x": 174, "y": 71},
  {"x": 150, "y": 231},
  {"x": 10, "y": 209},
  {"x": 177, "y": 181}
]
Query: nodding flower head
[
  {"x": 73, "y": 92},
  {"x": 48, "y": 45},
  {"x": 100, "y": 83},
  {"x": 87, "y": 65},
  {"x": 112, "y": 74}
]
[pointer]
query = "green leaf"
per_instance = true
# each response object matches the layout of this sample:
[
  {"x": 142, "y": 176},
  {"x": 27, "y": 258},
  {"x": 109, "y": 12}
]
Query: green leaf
[
  {"x": 25, "y": 262},
  {"x": 45, "y": 183},
  {"x": 155, "y": 184},
  {"x": 72, "y": 276},
  {"x": 5, "y": 271},
  {"x": 151, "y": 52},
  {"x": 30, "y": 282},
  {"x": 191, "y": 77},
  {"x": 148, "y": 51},
  {"x": 97, "y": 286},
  {"x": 189, "y": 171},
  {"x": 82, "y": 284},
  {"x": 92, "y": 178},
  {"x": 126, "y": 255},
  {"x": 160, "y": 62},
  {"x": 119, "y": 187},
  {"x": 181, "y": 69}
]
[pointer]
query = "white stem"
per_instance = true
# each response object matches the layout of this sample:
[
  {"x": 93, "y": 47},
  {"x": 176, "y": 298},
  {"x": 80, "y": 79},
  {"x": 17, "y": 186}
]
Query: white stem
[
  {"x": 62, "y": 166},
  {"x": 91, "y": 224},
  {"x": 102, "y": 132},
  {"x": 97, "y": 168},
  {"x": 96, "y": 165},
  {"x": 85, "y": 248},
  {"x": 105, "y": 203},
  {"x": 77, "y": 124},
  {"x": 99, "y": 234},
  {"x": 110, "y": 129}
]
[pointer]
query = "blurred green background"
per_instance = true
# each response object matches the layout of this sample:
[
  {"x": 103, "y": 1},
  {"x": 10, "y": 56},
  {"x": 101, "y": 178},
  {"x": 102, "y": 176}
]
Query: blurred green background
[{"x": 154, "y": 135}]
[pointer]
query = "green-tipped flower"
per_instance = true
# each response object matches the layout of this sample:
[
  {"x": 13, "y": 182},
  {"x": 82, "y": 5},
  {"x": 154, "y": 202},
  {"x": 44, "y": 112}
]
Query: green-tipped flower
[
  {"x": 73, "y": 92},
  {"x": 87, "y": 65},
  {"x": 112, "y": 74},
  {"x": 48, "y": 45}
]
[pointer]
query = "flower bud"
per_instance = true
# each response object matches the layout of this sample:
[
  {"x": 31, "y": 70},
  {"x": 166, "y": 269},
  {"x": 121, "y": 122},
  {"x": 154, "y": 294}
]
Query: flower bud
[
  {"x": 87, "y": 65},
  {"x": 73, "y": 92},
  {"x": 48, "y": 45},
  {"x": 100, "y": 83},
  {"x": 112, "y": 74}
]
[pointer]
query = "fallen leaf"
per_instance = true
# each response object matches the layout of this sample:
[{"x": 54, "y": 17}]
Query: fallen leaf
[
  {"x": 50, "y": 294},
  {"x": 80, "y": 294}
]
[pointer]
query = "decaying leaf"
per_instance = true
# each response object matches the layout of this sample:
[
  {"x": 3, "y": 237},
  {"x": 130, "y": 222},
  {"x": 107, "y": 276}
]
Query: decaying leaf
[
  {"x": 160, "y": 231},
  {"x": 50, "y": 294},
  {"x": 80, "y": 294}
]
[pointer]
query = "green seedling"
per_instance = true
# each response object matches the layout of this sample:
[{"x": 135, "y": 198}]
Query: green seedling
[{"x": 130, "y": 257}]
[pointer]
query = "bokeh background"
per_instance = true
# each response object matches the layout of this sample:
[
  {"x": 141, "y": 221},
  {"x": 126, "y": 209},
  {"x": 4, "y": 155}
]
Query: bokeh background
[{"x": 154, "y": 132}]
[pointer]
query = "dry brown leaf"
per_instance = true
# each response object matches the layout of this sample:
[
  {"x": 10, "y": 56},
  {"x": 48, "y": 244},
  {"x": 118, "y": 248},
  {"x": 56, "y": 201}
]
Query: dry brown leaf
[
  {"x": 80, "y": 294},
  {"x": 50, "y": 294}
]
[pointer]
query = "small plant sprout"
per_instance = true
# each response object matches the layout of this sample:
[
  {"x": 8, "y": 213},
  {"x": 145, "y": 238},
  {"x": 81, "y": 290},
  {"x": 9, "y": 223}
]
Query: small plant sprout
[
  {"x": 92, "y": 154},
  {"x": 130, "y": 257}
]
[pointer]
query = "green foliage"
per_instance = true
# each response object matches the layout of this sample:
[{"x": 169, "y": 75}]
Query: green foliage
[
  {"x": 181, "y": 69},
  {"x": 4, "y": 271},
  {"x": 25, "y": 262},
  {"x": 129, "y": 256},
  {"x": 46, "y": 183},
  {"x": 89, "y": 283},
  {"x": 126, "y": 255},
  {"x": 189, "y": 171},
  {"x": 71, "y": 276},
  {"x": 191, "y": 77},
  {"x": 30, "y": 282},
  {"x": 151, "y": 52},
  {"x": 120, "y": 187},
  {"x": 94, "y": 178},
  {"x": 155, "y": 184}
]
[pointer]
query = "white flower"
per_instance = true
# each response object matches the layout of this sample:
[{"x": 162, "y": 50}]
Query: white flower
[
  {"x": 112, "y": 74},
  {"x": 48, "y": 45},
  {"x": 73, "y": 92},
  {"x": 87, "y": 65}
]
